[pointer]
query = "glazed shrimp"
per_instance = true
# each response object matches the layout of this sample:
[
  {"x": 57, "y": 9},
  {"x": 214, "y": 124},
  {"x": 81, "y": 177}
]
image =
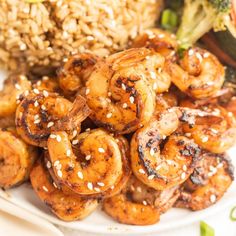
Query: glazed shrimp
[
  {"x": 73, "y": 75},
  {"x": 41, "y": 112},
  {"x": 213, "y": 135},
  {"x": 121, "y": 181},
  {"x": 171, "y": 166},
  {"x": 92, "y": 167},
  {"x": 161, "y": 41},
  {"x": 138, "y": 204},
  {"x": 121, "y": 90},
  {"x": 200, "y": 74},
  {"x": 14, "y": 86},
  {"x": 67, "y": 206},
  {"x": 16, "y": 159},
  {"x": 209, "y": 181}
]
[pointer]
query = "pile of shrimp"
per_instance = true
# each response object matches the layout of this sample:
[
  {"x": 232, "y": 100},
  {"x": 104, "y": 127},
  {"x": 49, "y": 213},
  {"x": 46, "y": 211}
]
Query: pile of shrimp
[{"x": 138, "y": 132}]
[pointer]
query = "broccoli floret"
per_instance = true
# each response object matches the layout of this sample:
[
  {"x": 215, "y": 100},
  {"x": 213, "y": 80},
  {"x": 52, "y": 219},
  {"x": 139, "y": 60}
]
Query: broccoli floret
[{"x": 199, "y": 16}]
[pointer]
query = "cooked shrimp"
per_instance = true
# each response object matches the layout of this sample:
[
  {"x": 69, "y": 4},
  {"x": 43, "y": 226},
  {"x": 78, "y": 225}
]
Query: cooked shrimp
[
  {"x": 41, "y": 112},
  {"x": 138, "y": 204},
  {"x": 209, "y": 181},
  {"x": 16, "y": 159},
  {"x": 171, "y": 166},
  {"x": 200, "y": 74},
  {"x": 161, "y": 41},
  {"x": 14, "y": 86},
  {"x": 66, "y": 206},
  {"x": 213, "y": 135},
  {"x": 92, "y": 167},
  {"x": 75, "y": 72},
  {"x": 121, "y": 90}
]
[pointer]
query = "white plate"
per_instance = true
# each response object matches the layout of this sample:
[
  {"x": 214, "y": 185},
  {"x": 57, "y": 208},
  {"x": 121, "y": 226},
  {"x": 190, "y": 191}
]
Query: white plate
[{"x": 99, "y": 222}]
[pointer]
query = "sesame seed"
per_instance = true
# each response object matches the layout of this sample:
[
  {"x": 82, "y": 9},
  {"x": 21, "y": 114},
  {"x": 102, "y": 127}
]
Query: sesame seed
[
  {"x": 139, "y": 189},
  {"x": 50, "y": 124},
  {"x": 161, "y": 36},
  {"x": 141, "y": 171},
  {"x": 220, "y": 165},
  {"x": 213, "y": 198},
  {"x": 45, "y": 78},
  {"x": 56, "y": 163},
  {"x": 144, "y": 203},
  {"x": 125, "y": 105},
  {"x": 87, "y": 91},
  {"x": 17, "y": 86},
  {"x": 45, "y": 189},
  {"x": 88, "y": 157},
  {"x": 74, "y": 133},
  {"x": 188, "y": 135},
  {"x": 150, "y": 177},
  {"x": 155, "y": 86},
  {"x": 68, "y": 152},
  {"x": 17, "y": 97},
  {"x": 112, "y": 187},
  {"x": 199, "y": 56},
  {"x": 101, "y": 150},
  {"x": 230, "y": 114},
  {"x": 152, "y": 152},
  {"x": 214, "y": 131},
  {"x": 204, "y": 139},
  {"x": 190, "y": 52},
  {"x": 54, "y": 184},
  {"x": 36, "y": 103},
  {"x": 58, "y": 167},
  {"x": 183, "y": 175},
  {"x": 49, "y": 165},
  {"x": 80, "y": 175},
  {"x": 159, "y": 70},
  {"x": 169, "y": 162},
  {"x": 184, "y": 168},
  {"x": 132, "y": 188},
  {"x": 123, "y": 86},
  {"x": 131, "y": 99},
  {"x": 37, "y": 121},
  {"x": 88, "y": 129},
  {"x": 109, "y": 94},
  {"x": 100, "y": 184},
  {"x": 97, "y": 189},
  {"x": 59, "y": 173},
  {"x": 36, "y": 117},
  {"x": 53, "y": 136},
  {"x": 158, "y": 167},
  {"x": 206, "y": 54},
  {"x": 58, "y": 138},
  {"x": 153, "y": 74},
  {"x": 26, "y": 93},
  {"x": 23, "y": 77},
  {"x": 109, "y": 115},
  {"x": 90, "y": 38},
  {"x": 45, "y": 93},
  {"x": 74, "y": 142},
  {"x": 43, "y": 108},
  {"x": 36, "y": 91},
  {"x": 147, "y": 57},
  {"x": 39, "y": 83},
  {"x": 90, "y": 186}
]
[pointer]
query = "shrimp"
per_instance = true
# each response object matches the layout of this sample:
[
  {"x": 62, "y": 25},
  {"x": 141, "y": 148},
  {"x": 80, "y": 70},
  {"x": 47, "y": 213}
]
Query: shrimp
[
  {"x": 67, "y": 206},
  {"x": 42, "y": 112},
  {"x": 161, "y": 41},
  {"x": 200, "y": 74},
  {"x": 73, "y": 75},
  {"x": 138, "y": 204},
  {"x": 121, "y": 90},
  {"x": 214, "y": 135},
  {"x": 92, "y": 167},
  {"x": 16, "y": 159},
  {"x": 171, "y": 166},
  {"x": 14, "y": 86},
  {"x": 209, "y": 181}
]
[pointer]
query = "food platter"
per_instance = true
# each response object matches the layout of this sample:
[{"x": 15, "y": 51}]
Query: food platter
[{"x": 98, "y": 222}]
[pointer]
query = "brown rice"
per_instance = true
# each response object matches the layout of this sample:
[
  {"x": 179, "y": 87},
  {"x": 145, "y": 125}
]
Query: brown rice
[{"x": 43, "y": 34}]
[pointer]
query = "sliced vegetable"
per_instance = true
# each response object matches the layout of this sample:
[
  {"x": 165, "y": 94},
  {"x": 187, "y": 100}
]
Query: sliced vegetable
[
  {"x": 206, "y": 230},
  {"x": 233, "y": 214}
]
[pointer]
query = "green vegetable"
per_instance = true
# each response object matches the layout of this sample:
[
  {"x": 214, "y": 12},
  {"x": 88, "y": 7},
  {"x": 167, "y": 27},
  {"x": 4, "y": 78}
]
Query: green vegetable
[
  {"x": 233, "y": 214},
  {"x": 33, "y": 1},
  {"x": 199, "y": 16},
  {"x": 169, "y": 19},
  {"x": 206, "y": 230}
]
